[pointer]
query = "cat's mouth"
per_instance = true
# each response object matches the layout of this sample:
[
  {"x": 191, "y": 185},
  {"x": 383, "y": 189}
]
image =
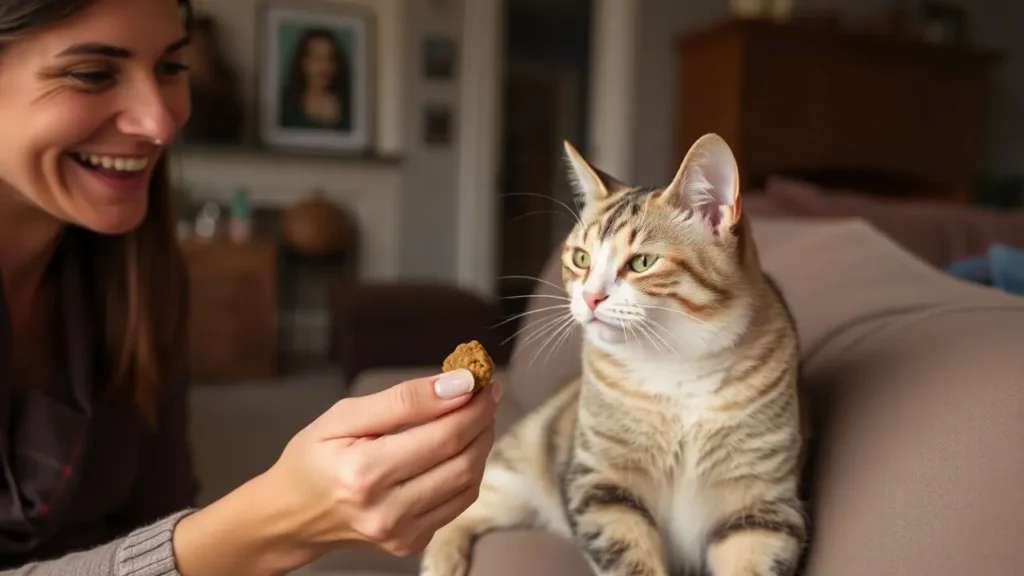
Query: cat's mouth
[{"x": 611, "y": 332}]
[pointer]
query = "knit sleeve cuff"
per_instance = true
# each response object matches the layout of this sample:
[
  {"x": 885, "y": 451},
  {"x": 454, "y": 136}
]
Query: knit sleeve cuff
[{"x": 149, "y": 551}]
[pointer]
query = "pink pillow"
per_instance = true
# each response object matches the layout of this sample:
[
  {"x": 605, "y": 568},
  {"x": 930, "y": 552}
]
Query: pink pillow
[{"x": 937, "y": 232}]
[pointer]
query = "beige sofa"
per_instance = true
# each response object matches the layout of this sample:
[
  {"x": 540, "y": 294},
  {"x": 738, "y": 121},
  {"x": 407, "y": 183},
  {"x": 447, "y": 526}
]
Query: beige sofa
[{"x": 918, "y": 380}]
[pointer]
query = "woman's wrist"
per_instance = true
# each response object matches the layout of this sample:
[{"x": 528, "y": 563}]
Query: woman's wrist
[{"x": 252, "y": 530}]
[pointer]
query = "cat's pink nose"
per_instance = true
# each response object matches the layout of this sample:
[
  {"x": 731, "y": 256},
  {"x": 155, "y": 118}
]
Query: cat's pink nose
[{"x": 593, "y": 299}]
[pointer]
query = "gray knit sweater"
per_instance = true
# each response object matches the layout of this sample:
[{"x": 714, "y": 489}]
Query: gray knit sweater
[{"x": 147, "y": 551}]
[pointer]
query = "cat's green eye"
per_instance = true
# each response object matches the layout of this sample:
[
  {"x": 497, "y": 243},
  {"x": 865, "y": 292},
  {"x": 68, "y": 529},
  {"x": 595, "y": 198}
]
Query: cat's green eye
[
  {"x": 580, "y": 258},
  {"x": 642, "y": 262}
]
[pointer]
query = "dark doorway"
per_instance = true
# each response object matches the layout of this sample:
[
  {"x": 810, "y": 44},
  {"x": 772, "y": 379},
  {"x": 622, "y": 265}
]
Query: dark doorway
[{"x": 546, "y": 98}]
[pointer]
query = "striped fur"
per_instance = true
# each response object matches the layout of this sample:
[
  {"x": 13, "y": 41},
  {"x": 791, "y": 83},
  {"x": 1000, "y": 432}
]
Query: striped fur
[{"x": 679, "y": 449}]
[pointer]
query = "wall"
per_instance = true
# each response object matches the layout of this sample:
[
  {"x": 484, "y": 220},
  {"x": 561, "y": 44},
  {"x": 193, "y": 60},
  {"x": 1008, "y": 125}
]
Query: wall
[
  {"x": 405, "y": 203},
  {"x": 428, "y": 228},
  {"x": 660, "y": 23}
]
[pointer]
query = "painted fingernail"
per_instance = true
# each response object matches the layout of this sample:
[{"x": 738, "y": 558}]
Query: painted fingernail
[
  {"x": 454, "y": 384},
  {"x": 497, "y": 390}
]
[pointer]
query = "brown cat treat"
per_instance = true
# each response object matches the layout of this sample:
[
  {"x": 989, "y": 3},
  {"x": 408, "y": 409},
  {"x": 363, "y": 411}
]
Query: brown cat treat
[{"x": 473, "y": 357}]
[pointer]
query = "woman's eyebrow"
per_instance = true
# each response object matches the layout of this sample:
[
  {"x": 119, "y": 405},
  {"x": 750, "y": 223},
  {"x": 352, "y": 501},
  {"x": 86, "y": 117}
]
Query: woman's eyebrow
[{"x": 110, "y": 51}]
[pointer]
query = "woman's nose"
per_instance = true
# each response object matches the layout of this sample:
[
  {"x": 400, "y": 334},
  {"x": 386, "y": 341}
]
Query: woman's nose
[{"x": 147, "y": 115}]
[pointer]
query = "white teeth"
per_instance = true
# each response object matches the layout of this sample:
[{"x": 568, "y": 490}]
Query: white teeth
[{"x": 118, "y": 163}]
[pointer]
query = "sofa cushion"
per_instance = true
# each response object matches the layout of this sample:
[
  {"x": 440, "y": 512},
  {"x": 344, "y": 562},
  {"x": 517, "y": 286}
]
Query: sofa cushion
[
  {"x": 917, "y": 384},
  {"x": 919, "y": 404},
  {"x": 937, "y": 232}
]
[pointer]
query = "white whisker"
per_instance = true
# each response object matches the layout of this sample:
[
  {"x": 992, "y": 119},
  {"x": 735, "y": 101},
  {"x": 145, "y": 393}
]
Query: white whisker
[
  {"x": 628, "y": 329},
  {"x": 553, "y": 199},
  {"x": 553, "y": 334},
  {"x": 550, "y": 318},
  {"x": 561, "y": 340},
  {"x": 646, "y": 324},
  {"x": 528, "y": 312},
  {"x": 557, "y": 319},
  {"x": 521, "y": 296},
  {"x": 674, "y": 310},
  {"x": 534, "y": 278}
]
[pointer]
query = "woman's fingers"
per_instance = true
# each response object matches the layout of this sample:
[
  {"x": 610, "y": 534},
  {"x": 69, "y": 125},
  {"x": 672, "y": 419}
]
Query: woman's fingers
[
  {"x": 446, "y": 480},
  {"x": 403, "y": 404},
  {"x": 412, "y": 452}
]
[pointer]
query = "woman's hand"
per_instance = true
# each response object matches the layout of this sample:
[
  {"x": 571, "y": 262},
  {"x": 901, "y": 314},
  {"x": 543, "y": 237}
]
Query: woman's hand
[
  {"x": 361, "y": 481},
  {"x": 384, "y": 471}
]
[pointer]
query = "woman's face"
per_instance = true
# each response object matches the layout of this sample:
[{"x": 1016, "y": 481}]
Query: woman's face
[
  {"x": 319, "y": 64},
  {"x": 87, "y": 107}
]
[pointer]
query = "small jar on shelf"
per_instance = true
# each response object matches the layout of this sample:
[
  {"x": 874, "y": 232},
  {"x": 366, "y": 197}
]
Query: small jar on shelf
[{"x": 240, "y": 223}]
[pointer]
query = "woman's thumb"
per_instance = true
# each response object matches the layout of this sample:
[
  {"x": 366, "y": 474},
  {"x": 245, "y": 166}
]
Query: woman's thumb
[{"x": 407, "y": 403}]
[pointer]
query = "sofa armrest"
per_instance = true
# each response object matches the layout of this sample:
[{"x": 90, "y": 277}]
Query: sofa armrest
[{"x": 918, "y": 387}]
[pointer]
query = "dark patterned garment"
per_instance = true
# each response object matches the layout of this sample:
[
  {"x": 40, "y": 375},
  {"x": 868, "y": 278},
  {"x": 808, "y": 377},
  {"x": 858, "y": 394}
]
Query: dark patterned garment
[{"x": 79, "y": 466}]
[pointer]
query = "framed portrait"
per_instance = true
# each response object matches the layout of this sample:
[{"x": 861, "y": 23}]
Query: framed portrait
[
  {"x": 316, "y": 76},
  {"x": 437, "y": 125},
  {"x": 439, "y": 56}
]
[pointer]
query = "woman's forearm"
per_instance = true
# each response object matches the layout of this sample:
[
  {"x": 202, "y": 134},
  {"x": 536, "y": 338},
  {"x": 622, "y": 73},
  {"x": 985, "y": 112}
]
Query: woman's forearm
[
  {"x": 249, "y": 531},
  {"x": 245, "y": 532}
]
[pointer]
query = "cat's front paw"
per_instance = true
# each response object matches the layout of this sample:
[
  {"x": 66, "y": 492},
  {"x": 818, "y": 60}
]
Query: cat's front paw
[
  {"x": 447, "y": 554},
  {"x": 766, "y": 540},
  {"x": 444, "y": 563}
]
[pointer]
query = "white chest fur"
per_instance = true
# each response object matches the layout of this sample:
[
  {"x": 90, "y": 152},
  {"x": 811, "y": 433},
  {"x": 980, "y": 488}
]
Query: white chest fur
[{"x": 687, "y": 506}]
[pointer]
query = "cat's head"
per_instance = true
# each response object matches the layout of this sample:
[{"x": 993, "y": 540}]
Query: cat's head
[{"x": 664, "y": 270}]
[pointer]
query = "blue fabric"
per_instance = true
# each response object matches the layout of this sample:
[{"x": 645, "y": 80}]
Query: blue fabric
[{"x": 1001, "y": 267}]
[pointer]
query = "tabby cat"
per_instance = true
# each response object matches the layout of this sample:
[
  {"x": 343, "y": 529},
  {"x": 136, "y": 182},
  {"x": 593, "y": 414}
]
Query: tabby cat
[{"x": 679, "y": 449}]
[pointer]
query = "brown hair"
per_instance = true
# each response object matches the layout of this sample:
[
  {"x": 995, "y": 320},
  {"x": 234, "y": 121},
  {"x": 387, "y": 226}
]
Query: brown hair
[
  {"x": 141, "y": 285},
  {"x": 140, "y": 279}
]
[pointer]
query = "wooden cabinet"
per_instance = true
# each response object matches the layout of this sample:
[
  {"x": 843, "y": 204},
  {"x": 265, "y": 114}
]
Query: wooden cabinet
[
  {"x": 233, "y": 320},
  {"x": 794, "y": 98}
]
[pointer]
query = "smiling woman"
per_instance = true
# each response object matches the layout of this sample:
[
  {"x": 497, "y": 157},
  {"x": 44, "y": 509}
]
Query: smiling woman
[{"x": 96, "y": 476}]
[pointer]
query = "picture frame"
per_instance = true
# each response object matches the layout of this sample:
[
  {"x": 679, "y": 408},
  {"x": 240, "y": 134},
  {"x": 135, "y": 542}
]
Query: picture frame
[
  {"x": 438, "y": 125},
  {"x": 316, "y": 75},
  {"x": 439, "y": 58}
]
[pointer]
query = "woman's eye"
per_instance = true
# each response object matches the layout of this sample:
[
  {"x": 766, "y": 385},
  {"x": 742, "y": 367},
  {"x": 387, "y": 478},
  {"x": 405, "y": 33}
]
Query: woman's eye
[
  {"x": 171, "y": 68},
  {"x": 92, "y": 78}
]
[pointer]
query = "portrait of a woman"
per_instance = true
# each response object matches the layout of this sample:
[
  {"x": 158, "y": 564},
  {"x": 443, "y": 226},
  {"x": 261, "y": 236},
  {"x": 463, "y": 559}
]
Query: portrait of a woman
[{"x": 318, "y": 89}]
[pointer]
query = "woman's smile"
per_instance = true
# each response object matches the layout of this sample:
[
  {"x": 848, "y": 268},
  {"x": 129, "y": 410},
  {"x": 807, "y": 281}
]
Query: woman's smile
[
  {"x": 115, "y": 174},
  {"x": 97, "y": 103}
]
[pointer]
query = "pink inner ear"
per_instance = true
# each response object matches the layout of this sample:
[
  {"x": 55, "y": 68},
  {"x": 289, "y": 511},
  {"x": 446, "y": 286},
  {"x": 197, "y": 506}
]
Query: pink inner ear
[{"x": 709, "y": 183}]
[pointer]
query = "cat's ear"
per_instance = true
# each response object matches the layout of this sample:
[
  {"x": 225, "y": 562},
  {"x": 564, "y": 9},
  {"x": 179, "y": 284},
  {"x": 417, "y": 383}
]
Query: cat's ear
[
  {"x": 708, "y": 182},
  {"x": 589, "y": 184}
]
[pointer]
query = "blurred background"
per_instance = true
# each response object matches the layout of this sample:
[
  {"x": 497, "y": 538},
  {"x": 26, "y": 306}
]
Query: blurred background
[{"x": 367, "y": 183}]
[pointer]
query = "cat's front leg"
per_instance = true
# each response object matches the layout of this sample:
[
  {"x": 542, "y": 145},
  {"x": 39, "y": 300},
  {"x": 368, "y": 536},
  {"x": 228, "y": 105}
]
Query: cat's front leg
[
  {"x": 614, "y": 527},
  {"x": 763, "y": 540}
]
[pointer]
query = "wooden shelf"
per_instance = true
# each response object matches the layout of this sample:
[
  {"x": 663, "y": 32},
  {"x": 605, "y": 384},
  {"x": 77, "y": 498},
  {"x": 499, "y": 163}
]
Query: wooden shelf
[{"x": 269, "y": 153}]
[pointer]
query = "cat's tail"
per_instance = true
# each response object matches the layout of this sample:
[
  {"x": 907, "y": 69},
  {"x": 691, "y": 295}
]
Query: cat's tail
[{"x": 503, "y": 503}]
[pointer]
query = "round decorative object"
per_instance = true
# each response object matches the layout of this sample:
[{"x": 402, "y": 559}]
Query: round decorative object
[
  {"x": 208, "y": 220},
  {"x": 315, "y": 226}
]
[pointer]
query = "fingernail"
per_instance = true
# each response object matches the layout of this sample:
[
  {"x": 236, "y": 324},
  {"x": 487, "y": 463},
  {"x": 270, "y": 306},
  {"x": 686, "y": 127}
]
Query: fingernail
[
  {"x": 454, "y": 384},
  {"x": 497, "y": 390}
]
